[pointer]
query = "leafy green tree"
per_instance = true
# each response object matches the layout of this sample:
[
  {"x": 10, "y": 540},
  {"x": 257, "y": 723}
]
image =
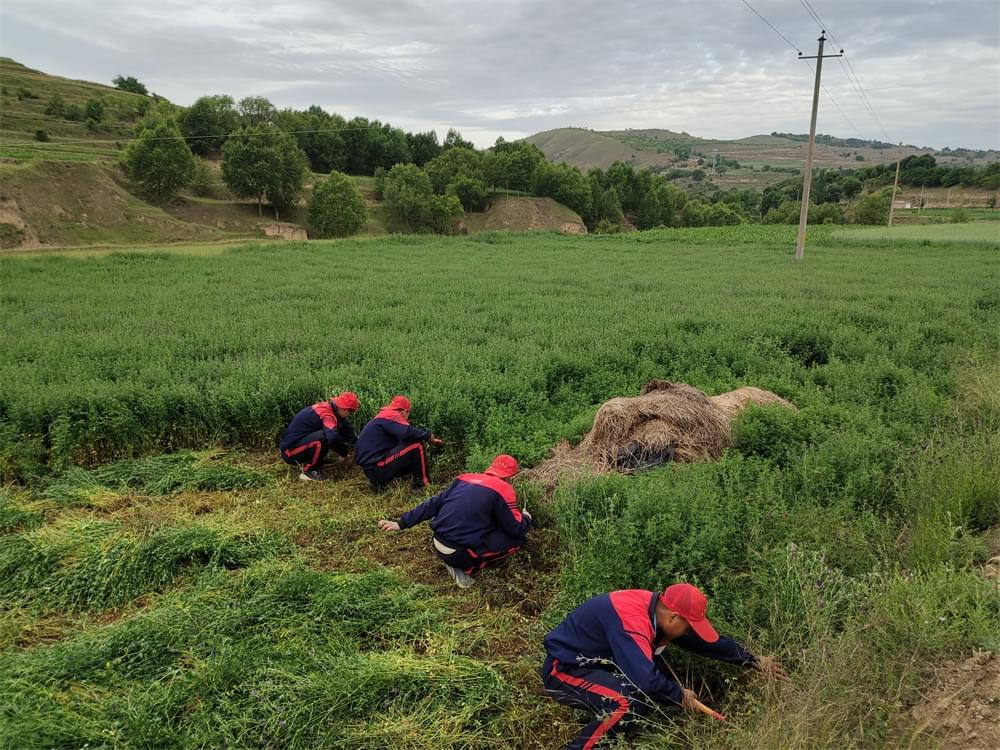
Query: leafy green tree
[
  {"x": 319, "y": 134},
  {"x": 470, "y": 191},
  {"x": 208, "y": 122},
  {"x": 513, "y": 164},
  {"x": 565, "y": 184},
  {"x": 722, "y": 214},
  {"x": 672, "y": 200},
  {"x": 159, "y": 159},
  {"x": 256, "y": 110},
  {"x": 202, "y": 181},
  {"x": 455, "y": 162},
  {"x": 411, "y": 202},
  {"x": 337, "y": 208},
  {"x": 264, "y": 162},
  {"x": 610, "y": 207},
  {"x": 380, "y": 173},
  {"x": 872, "y": 208},
  {"x": 129, "y": 83},
  {"x": 649, "y": 211},
  {"x": 423, "y": 146},
  {"x": 454, "y": 139},
  {"x": 94, "y": 110},
  {"x": 695, "y": 213},
  {"x": 56, "y": 106}
]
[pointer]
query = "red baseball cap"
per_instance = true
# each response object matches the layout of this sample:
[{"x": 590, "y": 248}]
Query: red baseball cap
[
  {"x": 402, "y": 403},
  {"x": 346, "y": 400},
  {"x": 690, "y": 603},
  {"x": 503, "y": 466}
]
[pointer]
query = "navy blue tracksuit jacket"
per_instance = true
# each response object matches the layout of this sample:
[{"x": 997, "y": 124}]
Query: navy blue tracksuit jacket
[
  {"x": 601, "y": 657},
  {"x": 474, "y": 512},
  {"x": 381, "y": 438},
  {"x": 318, "y": 422}
]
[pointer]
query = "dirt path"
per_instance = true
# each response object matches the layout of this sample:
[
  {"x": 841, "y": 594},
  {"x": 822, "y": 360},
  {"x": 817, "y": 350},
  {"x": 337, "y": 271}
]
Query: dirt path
[{"x": 959, "y": 710}]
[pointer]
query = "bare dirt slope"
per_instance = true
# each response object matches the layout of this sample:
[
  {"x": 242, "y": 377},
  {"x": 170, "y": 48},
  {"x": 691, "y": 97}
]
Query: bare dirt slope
[
  {"x": 76, "y": 203},
  {"x": 523, "y": 214}
]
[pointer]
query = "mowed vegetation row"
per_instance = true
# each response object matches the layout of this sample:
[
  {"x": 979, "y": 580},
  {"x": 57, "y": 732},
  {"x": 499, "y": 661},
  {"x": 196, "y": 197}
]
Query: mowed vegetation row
[{"x": 199, "y": 599}]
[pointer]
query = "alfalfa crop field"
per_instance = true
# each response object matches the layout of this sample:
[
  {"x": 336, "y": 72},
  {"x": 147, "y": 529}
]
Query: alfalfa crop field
[{"x": 165, "y": 582}]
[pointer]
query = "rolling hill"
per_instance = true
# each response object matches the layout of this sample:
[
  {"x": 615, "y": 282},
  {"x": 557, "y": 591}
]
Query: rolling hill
[{"x": 763, "y": 159}]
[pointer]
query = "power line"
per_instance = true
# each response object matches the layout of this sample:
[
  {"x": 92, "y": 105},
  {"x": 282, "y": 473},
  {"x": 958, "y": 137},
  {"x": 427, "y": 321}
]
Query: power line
[
  {"x": 834, "y": 102},
  {"x": 772, "y": 26},
  {"x": 852, "y": 75}
]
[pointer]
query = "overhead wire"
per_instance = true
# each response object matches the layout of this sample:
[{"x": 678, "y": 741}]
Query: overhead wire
[{"x": 847, "y": 67}]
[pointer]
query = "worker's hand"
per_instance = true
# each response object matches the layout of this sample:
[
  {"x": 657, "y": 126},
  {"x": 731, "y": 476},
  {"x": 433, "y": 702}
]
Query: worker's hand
[
  {"x": 435, "y": 440},
  {"x": 385, "y": 525},
  {"x": 771, "y": 667},
  {"x": 526, "y": 514},
  {"x": 690, "y": 701}
]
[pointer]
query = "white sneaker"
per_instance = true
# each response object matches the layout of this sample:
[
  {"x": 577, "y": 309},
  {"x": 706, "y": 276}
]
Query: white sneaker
[
  {"x": 312, "y": 475},
  {"x": 461, "y": 579}
]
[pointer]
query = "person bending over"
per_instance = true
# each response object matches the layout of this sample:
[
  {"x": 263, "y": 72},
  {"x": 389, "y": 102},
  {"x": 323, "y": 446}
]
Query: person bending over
[
  {"x": 316, "y": 430},
  {"x": 606, "y": 656},
  {"x": 389, "y": 447},
  {"x": 476, "y": 520}
]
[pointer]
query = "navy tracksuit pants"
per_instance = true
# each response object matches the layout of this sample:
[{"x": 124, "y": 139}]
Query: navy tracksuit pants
[
  {"x": 613, "y": 700},
  {"x": 499, "y": 546},
  {"x": 308, "y": 452},
  {"x": 408, "y": 461}
]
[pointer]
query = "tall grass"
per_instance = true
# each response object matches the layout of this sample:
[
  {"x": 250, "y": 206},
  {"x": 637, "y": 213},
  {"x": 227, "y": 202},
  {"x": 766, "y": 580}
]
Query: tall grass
[{"x": 506, "y": 338}]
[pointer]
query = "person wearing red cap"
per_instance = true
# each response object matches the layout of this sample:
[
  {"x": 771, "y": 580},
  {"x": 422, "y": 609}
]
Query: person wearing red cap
[
  {"x": 316, "y": 430},
  {"x": 606, "y": 656},
  {"x": 389, "y": 447},
  {"x": 476, "y": 521}
]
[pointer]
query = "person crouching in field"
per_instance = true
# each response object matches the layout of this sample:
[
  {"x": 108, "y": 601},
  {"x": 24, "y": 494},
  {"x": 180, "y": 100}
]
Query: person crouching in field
[
  {"x": 476, "y": 520},
  {"x": 389, "y": 447},
  {"x": 606, "y": 656},
  {"x": 316, "y": 430}
]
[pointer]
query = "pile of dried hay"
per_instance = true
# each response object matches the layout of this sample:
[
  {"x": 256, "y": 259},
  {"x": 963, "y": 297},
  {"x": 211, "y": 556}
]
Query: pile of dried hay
[{"x": 666, "y": 419}]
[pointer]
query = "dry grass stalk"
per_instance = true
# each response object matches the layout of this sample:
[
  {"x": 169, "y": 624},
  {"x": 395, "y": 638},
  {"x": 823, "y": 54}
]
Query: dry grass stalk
[{"x": 665, "y": 414}]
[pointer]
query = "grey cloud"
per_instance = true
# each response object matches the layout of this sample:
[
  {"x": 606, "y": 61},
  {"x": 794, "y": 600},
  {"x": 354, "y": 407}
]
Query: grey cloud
[{"x": 710, "y": 68}]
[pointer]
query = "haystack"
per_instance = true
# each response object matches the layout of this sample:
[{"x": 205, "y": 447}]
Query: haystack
[{"x": 667, "y": 421}]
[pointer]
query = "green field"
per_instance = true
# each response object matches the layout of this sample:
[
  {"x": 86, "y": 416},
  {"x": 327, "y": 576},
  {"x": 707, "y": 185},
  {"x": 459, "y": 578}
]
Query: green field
[{"x": 166, "y": 582}]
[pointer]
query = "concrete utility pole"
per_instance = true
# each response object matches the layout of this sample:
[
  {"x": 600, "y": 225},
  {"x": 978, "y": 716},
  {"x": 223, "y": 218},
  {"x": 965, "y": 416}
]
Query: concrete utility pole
[
  {"x": 800, "y": 245},
  {"x": 895, "y": 184}
]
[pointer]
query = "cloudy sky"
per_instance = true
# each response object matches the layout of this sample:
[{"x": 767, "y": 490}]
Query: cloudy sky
[{"x": 930, "y": 68}]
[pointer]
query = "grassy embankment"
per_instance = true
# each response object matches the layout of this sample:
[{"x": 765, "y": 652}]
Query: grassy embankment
[{"x": 207, "y": 598}]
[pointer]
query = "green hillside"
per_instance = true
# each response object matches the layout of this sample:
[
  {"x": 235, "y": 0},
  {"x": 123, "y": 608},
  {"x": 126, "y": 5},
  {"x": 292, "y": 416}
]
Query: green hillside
[{"x": 31, "y": 106}]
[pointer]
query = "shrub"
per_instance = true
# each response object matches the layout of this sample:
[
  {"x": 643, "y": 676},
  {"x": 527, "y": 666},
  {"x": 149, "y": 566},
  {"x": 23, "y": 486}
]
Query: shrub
[
  {"x": 959, "y": 216},
  {"x": 42, "y": 136},
  {"x": 337, "y": 208},
  {"x": 202, "y": 181},
  {"x": 470, "y": 191},
  {"x": 872, "y": 208}
]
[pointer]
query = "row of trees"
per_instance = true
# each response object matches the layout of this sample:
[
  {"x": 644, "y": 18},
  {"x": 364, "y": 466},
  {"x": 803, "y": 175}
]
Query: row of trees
[{"x": 330, "y": 142}]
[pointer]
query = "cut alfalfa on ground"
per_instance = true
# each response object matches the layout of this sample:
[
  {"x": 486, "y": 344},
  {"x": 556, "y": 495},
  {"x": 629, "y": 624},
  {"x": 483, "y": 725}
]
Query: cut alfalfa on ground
[
  {"x": 77, "y": 564},
  {"x": 275, "y": 656},
  {"x": 158, "y": 475},
  {"x": 666, "y": 422}
]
